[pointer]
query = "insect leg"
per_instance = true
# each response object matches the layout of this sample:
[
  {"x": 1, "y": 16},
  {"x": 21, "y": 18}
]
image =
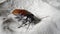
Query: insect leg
[{"x": 28, "y": 26}]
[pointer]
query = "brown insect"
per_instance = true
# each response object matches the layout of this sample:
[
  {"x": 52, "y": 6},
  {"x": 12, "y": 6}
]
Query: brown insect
[{"x": 24, "y": 12}]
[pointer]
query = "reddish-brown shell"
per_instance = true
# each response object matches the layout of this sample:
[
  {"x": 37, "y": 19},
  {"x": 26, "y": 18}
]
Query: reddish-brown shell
[{"x": 20, "y": 11}]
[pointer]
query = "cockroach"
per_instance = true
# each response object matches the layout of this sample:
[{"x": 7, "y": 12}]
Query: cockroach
[
  {"x": 23, "y": 12},
  {"x": 29, "y": 15}
]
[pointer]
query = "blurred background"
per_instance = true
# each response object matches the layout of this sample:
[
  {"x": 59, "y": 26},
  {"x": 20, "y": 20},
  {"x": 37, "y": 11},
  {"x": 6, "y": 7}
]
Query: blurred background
[{"x": 40, "y": 8}]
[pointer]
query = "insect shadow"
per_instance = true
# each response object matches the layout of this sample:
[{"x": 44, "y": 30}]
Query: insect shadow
[{"x": 6, "y": 24}]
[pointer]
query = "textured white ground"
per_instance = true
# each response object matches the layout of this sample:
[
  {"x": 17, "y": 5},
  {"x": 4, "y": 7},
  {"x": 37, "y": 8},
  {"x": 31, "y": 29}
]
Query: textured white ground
[{"x": 49, "y": 25}]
